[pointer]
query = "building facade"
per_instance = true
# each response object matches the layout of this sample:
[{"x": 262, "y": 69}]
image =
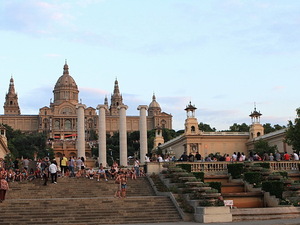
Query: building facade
[
  {"x": 59, "y": 120},
  {"x": 194, "y": 140}
]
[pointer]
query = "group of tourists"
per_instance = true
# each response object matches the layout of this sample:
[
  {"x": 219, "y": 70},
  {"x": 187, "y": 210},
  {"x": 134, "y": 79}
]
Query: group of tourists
[
  {"x": 236, "y": 156},
  {"x": 45, "y": 169}
]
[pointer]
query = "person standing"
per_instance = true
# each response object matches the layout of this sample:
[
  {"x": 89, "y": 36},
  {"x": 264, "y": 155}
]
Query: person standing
[
  {"x": 295, "y": 156},
  {"x": 71, "y": 166},
  {"x": 3, "y": 188},
  {"x": 63, "y": 165},
  {"x": 184, "y": 157},
  {"x": 123, "y": 181},
  {"x": 53, "y": 172},
  {"x": 137, "y": 167},
  {"x": 25, "y": 163},
  {"x": 198, "y": 157},
  {"x": 286, "y": 156}
]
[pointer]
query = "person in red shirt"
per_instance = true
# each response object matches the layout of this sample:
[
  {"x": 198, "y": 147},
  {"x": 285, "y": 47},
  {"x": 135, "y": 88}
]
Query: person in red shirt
[{"x": 286, "y": 156}]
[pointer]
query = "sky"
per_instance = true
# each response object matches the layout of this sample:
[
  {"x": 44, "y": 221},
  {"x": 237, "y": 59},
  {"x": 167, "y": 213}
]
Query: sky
[{"x": 225, "y": 56}]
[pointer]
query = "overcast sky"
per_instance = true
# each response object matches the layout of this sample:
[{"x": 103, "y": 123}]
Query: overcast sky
[{"x": 221, "y": 55}]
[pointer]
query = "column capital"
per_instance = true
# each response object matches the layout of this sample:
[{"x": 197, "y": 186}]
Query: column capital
[
  {"x": 142, "y": 107},
  {"x": 102, "y": 107},
  {"x": 80, "y": 105},
  {"x": 123, "y": 107}
]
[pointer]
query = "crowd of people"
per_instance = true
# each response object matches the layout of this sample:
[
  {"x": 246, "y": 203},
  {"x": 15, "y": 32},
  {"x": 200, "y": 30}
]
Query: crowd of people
[
  {"x": 45, "y": 169},
  {"x": 236, "y": 156}
]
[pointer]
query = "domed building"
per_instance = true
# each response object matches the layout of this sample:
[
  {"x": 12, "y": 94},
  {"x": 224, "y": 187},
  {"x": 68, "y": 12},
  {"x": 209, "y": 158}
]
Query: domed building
[{"x": 59, "y": 120}]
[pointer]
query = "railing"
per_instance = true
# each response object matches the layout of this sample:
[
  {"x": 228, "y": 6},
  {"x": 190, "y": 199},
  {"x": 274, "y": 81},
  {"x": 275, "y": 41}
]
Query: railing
[
  {"x": 213, "y": 167},
  {"x": 285, "y": 165},
  {"x": 207, "y": 166}
]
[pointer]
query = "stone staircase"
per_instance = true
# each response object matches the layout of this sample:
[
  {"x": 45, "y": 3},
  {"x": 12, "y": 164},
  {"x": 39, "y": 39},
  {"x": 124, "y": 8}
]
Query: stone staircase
[
  {"x": 235, "y": 190},
  {"x": 84, "y": 201}
]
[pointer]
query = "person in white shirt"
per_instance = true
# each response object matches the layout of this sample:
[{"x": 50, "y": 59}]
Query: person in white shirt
[
  {"x": 160, "y": 159},
  {"x": 234, "y": 157},
  {"x": 296, "y": 157},
  {"x": 53, "y": 172},
  {"x": 147, "y": 159},
  {"x": 90, "y": 173}
]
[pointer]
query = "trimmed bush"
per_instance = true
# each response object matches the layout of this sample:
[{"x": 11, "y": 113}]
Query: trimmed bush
[
  {"x": 199, "y": 175},
  {"x": 284, "y": 174},
  {"x": 215, "y": 185},
  {"x": 274, "y": 187},
  {"x": 235, "y": 169},
  {"x": 186, "y": 167},
  {"x": 265, "y": 165},
  {"x": 253, "y": 177}
]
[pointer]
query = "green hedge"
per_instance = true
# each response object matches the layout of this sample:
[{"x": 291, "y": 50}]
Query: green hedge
[
  {"x": 274, "y": 187},
  {"x": 186, "y": 167},
  {"x": 215, "y": 185},
  {"x": 199, "y": 175},
  {"x": 253, "y": 177},
  {"x": 265, "y": 165},
  {"x": 283, "y": 173},
  {"x": 236, "y": 170}
]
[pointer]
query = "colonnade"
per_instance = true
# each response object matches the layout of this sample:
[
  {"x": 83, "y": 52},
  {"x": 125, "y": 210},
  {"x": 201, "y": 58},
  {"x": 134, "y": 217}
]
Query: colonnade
[{"x": 102, "y": 109}]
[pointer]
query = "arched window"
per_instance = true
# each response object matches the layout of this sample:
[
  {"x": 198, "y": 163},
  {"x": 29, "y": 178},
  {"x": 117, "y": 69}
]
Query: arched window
[
  {"x": 90, "y": 123},
  {"x": 193, "y": 129},
  {"x": 163, "y": 123},
  {"x": 68, "y": 125},
  {"x": 56, "y": 124},
  {"x": 45, "y": 122}
]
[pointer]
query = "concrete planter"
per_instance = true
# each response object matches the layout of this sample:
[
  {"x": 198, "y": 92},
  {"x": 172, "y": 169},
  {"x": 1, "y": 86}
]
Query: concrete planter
[{"x": 218, "y": 214}]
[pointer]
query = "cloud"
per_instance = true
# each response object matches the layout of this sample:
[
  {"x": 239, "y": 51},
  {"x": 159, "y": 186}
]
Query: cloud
[
  {"x": 33, "y": 16},
  {"x": 278, "y": 88},
  {"x": 93, "y": 91}
]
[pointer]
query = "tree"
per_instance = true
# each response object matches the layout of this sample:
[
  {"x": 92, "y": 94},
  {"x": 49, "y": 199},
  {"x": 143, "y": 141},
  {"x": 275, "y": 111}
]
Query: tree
[
  {"x": 262, "y": 146},
  {"x": 268, "y": 128},
  {"x": 239, "y": 127},
  {"x": 292, "y": 135},
  {"x": 206, "y": 128},
  {"x": 27, "y": 145}
]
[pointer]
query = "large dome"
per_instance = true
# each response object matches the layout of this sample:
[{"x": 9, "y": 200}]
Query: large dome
[
  {"x": 65, "y": 88},
  {"x": 65, "y": 80}
]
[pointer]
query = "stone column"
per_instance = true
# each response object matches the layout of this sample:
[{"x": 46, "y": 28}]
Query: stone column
[
  {"x": 123, "y": 134},
  {"x": 80, "y": 130},
  {"x": 143, "y": 132},
  {"x": 102, "y": 134}
]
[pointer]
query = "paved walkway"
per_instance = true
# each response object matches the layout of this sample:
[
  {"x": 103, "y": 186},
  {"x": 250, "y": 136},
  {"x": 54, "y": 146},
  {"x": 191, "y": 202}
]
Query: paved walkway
[{"x": 254, "y": 222}]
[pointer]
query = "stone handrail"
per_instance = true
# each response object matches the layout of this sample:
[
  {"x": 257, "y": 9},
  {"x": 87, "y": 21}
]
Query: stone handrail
[
  {"x": 207, "y": 166},
  {"x": 284, "y": 165},
  {"x": 222, "y": 166}
]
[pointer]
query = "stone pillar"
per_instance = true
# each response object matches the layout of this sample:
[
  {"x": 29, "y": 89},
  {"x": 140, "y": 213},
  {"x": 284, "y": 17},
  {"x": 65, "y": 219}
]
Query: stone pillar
[
  {"x": 123, "y": 134},
  {"x": 102, "y": 134},
  {"x": 80, "y": 130},
  {"x": 143, "y": 132}
]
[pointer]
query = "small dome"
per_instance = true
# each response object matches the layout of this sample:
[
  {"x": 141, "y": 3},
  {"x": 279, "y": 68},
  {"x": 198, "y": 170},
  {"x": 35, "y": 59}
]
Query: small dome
[{"x": 154, "y": 103}]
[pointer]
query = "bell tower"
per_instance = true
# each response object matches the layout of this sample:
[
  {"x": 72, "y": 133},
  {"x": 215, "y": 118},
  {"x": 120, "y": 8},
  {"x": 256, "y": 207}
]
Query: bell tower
[
  {"x": 191, "y": 122},
  {"x": 116, "y": 100},
  {"x": 256, "y": 129},
  {"x": 11, "y": 105},
  {"x": 159, "y": 139}
]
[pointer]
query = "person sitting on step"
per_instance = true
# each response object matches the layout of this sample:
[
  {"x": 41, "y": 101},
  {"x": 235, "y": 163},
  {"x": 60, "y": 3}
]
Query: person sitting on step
[
  {"x": 101, "y": 173},
  {"x": 112, "y": 172},
  {"x": 90, "y": 173}
]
